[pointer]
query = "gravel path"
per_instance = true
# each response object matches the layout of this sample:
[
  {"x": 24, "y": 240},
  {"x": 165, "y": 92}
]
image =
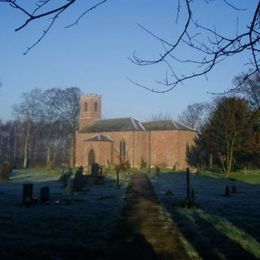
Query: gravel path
[{"x": 146, "y": 229}]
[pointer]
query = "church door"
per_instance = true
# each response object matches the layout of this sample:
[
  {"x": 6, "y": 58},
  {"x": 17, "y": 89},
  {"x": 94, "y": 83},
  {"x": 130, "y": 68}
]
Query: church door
[{"x": 91, "y": 157}]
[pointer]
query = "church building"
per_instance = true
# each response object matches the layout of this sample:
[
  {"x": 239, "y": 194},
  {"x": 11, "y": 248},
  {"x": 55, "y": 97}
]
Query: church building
[{"x": 154, "y": 143}]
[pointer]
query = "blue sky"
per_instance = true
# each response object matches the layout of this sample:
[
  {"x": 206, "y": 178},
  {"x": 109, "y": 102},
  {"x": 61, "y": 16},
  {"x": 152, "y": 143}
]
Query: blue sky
[{"x": 94, "y": 55}]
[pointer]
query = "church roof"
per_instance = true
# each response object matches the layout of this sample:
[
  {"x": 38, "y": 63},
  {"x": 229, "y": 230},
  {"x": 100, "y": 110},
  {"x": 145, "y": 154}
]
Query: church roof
[
  {"x": 103, "y": 138},
  {"x": 165, "y": 125},
  {"x": 114, "y": 125}
]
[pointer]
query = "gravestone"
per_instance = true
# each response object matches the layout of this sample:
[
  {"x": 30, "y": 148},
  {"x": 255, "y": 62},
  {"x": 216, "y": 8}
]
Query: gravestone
[
  {"x": 45, "y": 194},
  {"x": 64, "y": 178},
  {"x": 227, "y": 191},
  {"x": 78, "y": 182},
  {"x": 157, "y": 171},
  {"x": 27, "y": 193},
  {"x": 95, "y": 169}
]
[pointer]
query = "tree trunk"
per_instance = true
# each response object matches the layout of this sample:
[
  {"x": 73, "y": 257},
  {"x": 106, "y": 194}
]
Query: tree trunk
[
  {"x": 222, "y": 160},
  {"x": 15, "y": 144},
  {"x": 230, "y": 157},
  {"x": 72, "y": 150},
  {"x": 27, "y": 144},
  {"x": 48, "y": 155},
  {"x": 210, "y": 161}
]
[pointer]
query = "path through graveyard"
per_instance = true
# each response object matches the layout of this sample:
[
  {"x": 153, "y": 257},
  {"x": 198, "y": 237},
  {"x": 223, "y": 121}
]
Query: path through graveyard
[{"x": 146, "y": 229}]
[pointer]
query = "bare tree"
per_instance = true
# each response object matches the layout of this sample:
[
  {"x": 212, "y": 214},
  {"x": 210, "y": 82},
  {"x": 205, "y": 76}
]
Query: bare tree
[
  {"x": 250, "y": 89},
  {"x": 194, "y": 115},
  {"x": 68, "y": 105},
  {"x": 159, "y": 117},
  {"x": 207, "y": 45},
  {"x": 51, "y": 120},
  {"x": 28, "y": 111},
  {"x": 39, "y": 9}
]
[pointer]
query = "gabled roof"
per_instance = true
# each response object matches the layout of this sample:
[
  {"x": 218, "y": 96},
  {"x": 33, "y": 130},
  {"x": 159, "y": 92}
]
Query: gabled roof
[
  {"x": 165, "y": 125},
  {"x": 114, "y": 125},
  {"x": 97, "y": 138}
]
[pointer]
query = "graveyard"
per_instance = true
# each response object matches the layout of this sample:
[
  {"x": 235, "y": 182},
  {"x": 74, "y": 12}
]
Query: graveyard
[{"x": 96, "y": 221}]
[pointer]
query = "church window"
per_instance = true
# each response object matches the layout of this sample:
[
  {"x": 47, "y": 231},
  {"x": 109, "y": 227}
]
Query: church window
[
  {"x": 95, "y": 107},
  {"x": 122, "y": 148},
  {"x": 86, "y": 106},
  {"x": 91, "y": 157}
]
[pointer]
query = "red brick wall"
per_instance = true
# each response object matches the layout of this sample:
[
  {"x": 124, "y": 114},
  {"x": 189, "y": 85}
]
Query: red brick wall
[
  {"x": 89, "y": 115},
  {"x": 166, "y": 147},
  {"x": 169, "y": 147},
  {"x": 135, "y": 147}
]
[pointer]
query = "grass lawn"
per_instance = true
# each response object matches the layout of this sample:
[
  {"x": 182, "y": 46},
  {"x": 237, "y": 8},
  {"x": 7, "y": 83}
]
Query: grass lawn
[
  {"x": 219, "y": 227},
  {"x": 65, "y": 231},
  {"x": 249, "y": 176}
]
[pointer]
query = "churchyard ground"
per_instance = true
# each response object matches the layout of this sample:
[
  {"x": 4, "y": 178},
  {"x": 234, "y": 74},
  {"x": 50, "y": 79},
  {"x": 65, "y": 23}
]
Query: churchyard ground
[{"x": 219, "y": 227}]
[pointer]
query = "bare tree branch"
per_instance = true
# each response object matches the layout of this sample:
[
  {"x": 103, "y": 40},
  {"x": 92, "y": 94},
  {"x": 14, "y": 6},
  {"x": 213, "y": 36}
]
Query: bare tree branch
[
  {"x": 44, "y": 9},
  {"x": 85, "y": 12},
  {"x": 211, "y": 51}
]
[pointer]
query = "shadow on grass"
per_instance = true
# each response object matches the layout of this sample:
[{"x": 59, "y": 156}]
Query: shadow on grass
[
  {"x": 209, "y": 242},
  {"x": 242, "y": 208}
]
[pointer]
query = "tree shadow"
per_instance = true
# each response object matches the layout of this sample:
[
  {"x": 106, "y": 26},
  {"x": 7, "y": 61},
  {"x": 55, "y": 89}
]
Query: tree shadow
[{"x": 209, "y": 242}]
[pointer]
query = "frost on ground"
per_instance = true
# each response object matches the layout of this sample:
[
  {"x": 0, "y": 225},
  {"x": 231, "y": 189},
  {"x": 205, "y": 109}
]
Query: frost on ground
[
  {"x": 219, "y": 227},
  {"x": 79, "y": 229}
]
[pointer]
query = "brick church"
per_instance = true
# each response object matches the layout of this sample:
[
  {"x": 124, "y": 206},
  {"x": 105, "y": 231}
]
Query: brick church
[{"x": 105, "y": 141}]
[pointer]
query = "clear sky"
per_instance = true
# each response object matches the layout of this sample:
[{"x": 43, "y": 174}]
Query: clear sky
[{"x": 94, "y": 55}]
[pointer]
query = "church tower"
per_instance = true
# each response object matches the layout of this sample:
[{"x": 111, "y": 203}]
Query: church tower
[{"x": 90, "y": 109}]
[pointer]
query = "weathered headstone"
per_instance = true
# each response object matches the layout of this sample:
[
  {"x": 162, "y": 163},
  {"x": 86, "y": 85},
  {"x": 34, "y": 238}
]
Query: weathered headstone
[
  {"x": 233, "y": 189},
  {"x": 27, "y": 193},
  {"x": 157, "y": 171},
  {"x": 67, "y": 191},
  {"x": 45, "y": 194},
  {"x": 64, "y": 178},
  {"x": 227, "y": 191},
  {"x": 5, "y": 170},
  {"x": 95, "y": 169},
  {"x": 78, "y": 181}
]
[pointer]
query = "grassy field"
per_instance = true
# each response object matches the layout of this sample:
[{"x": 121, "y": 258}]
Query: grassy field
[
  {"x": 219, "y": 227},
  {"x": 247, "y": 176},
  {"x": 57, "y": 230}
]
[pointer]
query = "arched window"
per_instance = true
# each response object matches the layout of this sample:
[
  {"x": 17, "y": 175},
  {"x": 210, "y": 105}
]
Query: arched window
[
  {"x": 91, "y": 157},
  {"x": 95, "y": 107},
  {"x": 86, "y": 106},
  {"x": 122, "y": 148}
]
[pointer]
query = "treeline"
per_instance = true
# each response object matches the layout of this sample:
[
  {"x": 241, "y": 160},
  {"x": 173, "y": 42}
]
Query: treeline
[
  {"x": 228, "y": 130},
  {"x": 43, "y": 133}
]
